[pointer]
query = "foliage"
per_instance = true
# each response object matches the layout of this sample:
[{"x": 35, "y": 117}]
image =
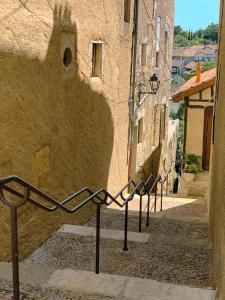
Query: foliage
[
  {"x": 191, "y": 169},
  {"x": 178, "y": 80},
  {"x": 179, "y": 114},
  {"x": 208, "y": 65},
  {"x": 183, "y": 38},
  {"x": 191, "y": 159},
  {"x": 192, "y": 163}
]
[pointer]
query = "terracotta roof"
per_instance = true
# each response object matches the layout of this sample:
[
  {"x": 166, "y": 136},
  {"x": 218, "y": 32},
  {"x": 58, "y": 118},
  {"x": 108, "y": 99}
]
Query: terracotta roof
[
  {"x": 184, "y": 52},
  {"x": 194, "y": 50},
  {"x": 191, "y": 87},
  {"x": 207, "y": 51},
  {"x": 191, "y": 65},
  {"x": 177, "y": 63}
]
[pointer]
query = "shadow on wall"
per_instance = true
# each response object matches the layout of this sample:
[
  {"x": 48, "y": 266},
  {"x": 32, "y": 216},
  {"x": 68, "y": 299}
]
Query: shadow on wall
[
  {"x": 152, "y": 164},
  {"x": 56, "y": 132}
]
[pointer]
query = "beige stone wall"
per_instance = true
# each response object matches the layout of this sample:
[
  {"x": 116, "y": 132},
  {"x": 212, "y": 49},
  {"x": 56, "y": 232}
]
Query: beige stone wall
[
  {"x": 217, "y": 209},
  {"x": 151, "y": 151},
  {"x": 61, "y": 129},
  {"x": 195, "y": 130}
]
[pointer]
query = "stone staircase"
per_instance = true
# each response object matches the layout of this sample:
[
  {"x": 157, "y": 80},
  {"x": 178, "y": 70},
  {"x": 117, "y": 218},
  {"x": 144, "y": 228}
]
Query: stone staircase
[
  {"x": 196, "y": 189},
  {"x": 170, "y": 259}
]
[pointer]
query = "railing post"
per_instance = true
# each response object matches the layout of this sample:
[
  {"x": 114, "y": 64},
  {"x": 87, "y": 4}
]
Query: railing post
[
  {"x": 140, "y": 213},
  {"x": 15, "y": 253},
  {"x": 167, "y": 185},
  {"x": 148, "y": 209},
  {"x": 98, "y": 212},
  {"x": 125, "y": 248},
  {"x": 161, "y": 205},
  {"x": 155, "y": 204}
]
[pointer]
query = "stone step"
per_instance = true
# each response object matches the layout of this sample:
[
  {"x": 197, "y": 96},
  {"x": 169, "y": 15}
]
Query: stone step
[
  {"x": 105, "y": 233},
  {"x": 174, "y": 260},
  {"x": 172, "y": 206},
  {"x": 160, "y": 223},
  {"x": 49, "y": 283},
  {"x": 136, "y": 237}
]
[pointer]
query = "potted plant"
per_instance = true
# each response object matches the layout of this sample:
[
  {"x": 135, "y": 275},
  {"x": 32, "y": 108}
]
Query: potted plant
[{"x": 191, "y": 166}]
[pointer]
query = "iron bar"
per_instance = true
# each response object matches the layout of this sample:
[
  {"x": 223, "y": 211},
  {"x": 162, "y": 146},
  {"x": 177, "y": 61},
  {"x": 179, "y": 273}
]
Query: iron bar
[
  {"x": 125, "y": 248},
  {"x": 155, "y": 204},
  {"x": 167, "y": 185},
  {"x": 140, "y": 213},
  {"x": 148, "y": 210},
  {"x": 15, "y": 253},
  {"x": 161, "y": 204},
  {"x": 98, "y": 215}
]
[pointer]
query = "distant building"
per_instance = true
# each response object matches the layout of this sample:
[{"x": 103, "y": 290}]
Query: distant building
[
  {"x": 197, "y": 94},
  {"x": 185, "y": 58}
]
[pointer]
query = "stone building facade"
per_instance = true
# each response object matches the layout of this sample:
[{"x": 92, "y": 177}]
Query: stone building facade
[
  {"x": 154, "y": 55},
  {"x": 65, "y": 83},
  {"x": 217, "y": 209}
]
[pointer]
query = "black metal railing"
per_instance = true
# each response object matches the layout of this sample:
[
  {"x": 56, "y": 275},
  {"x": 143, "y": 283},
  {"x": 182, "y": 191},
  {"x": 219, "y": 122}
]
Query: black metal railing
[{"x": 99, "y": 198}]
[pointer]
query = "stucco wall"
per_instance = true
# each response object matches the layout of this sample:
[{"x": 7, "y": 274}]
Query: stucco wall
[
  {"x": 217, "y": 209},
  {"x": 60, "y": 129},
  {"x": 195, "y": 129},
  {"x": 152, "y": 152}
]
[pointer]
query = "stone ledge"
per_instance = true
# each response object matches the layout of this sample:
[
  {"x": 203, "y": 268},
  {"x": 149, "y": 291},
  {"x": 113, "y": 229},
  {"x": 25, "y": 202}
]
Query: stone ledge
[
  {"x": 122, "y": 287},
  {"x": 105, "y": 233},
  {"x": 115, "y": 286}
]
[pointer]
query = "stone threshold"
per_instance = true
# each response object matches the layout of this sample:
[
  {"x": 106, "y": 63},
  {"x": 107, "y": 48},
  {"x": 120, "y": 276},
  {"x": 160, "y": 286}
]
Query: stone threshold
[
  {"x": 115, "y": 286},
  {"x": 111, "y": 234},
  {"x": 136, "y": 237}
]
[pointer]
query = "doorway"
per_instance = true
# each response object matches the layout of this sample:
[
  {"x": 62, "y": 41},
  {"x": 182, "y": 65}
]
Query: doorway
[{"x": 208, "y": 123}]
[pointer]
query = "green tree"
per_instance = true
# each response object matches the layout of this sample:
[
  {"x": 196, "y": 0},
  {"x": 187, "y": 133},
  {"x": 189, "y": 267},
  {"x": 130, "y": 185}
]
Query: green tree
[
  {"x": 181, "y": 41},
  {"x": 206, "y": 36},
  {"x": 179, "y": 114},
  {"x": 211, "y": 33},
  {"x": 208, "y": 65}
]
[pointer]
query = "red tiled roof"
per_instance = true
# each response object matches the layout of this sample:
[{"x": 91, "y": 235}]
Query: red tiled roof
[
  {"x": 177, "y": 63},
  {"x": 193, "y": 50},
  {"x": 191, "y": 87},
  {"x": 191, "y": 65}
]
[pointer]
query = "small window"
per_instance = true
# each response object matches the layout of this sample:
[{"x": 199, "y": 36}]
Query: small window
[
  {"x": 157, "y": 57},
  {"x": 155, "y": 126},
  {"x": 140, "y": 130},
  {"x": 144, "y": 48},
  {"x": 163, "y": 113},
  {"x": 158, "y": 36},
  {"x": 67, "y": 57},
  {"x": 154, "y": 8},
  {"x": 127, "y": 10},
  {"x": 97, "y": 60},
  {"x": 166, "y": 45}
]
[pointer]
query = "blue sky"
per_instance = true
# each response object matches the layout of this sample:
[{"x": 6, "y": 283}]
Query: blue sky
[{"x": 195, "y": 14}]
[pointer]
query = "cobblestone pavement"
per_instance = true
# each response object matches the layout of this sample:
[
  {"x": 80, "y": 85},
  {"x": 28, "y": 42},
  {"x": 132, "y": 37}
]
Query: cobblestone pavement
[
  {"x": 180, "y": 264},
  {"x": 34, "y": 293},
  {"x": 165, "y": 226}
]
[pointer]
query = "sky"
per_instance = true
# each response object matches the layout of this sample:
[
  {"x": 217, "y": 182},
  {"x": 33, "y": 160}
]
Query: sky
[{"x": 196, "y": 14}]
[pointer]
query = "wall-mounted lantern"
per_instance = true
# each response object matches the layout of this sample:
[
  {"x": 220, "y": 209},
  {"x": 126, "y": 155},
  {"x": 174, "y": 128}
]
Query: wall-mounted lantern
[{"x": 154, "y": 84}]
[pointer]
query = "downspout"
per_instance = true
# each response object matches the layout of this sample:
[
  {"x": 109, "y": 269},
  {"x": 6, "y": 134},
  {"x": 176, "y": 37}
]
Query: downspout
[{"x": 132, "y": 87}]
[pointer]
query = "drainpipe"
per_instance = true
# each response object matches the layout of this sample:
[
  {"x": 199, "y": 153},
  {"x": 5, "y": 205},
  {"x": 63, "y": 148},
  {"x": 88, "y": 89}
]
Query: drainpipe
[{"x": 132, "y": 86}]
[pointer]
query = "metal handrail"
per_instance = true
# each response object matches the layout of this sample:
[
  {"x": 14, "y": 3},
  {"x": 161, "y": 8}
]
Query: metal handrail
[{"x": 99, "y": 198}]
